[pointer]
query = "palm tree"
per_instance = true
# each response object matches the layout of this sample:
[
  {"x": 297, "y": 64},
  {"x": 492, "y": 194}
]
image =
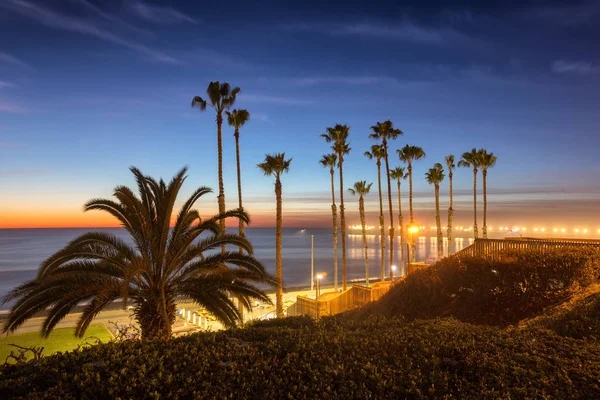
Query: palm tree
[
  {"x": 162, "y": 265},
  {"x": 237, "y": 119},
  {"x": 472, "y": 160},
  {"x": 377, "y": 152},
  {"x": 276, "y": 164},
  {"x": 408, "y": 154},
  {"x": 434, "y": 177},
  {"x": 330, "y": 161},
  {"x": 386, "y": 131},
  {"x": 338, "y": 136},
  {"x": 398, "y": 174},
  {"x": 221, "y": 98},
  {"x": 362, "y": 189},
  {"x": 487, "y": 160},
  {"x": 450, "y": 165}
]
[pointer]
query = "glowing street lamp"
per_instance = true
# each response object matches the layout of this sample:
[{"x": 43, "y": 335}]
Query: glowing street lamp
[
  {"x": 412, "y": 229},
  {"x": 319, "y": 276},
  {"x": 392, "y": 272}
]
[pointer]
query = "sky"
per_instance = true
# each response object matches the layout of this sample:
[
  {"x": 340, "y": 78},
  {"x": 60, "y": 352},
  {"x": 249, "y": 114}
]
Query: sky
[{"x": 89, "y": 88}]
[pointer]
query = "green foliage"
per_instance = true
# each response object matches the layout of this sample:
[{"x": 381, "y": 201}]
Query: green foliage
[
  {"x": 580, "y": 320},
  {"x": 479, "y": 290},
  {"x": 376, "y": 358},
  {"x": 302, "y": 321}
]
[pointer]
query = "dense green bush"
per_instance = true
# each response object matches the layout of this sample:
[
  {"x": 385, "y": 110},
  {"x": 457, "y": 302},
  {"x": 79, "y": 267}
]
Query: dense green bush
[
  {"x": 580, "y": 320},
  {"x": 302, "y": 321},
  {"x": 497, "y": 292},
  {"x": 376, "y": 358}
]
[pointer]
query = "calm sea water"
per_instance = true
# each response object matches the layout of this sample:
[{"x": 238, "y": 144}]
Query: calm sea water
[{"x": 23, "y": 250}]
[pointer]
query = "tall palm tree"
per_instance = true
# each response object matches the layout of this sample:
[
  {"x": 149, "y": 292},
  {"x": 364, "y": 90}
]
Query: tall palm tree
[
  {"x": 221, "y": 98},
  {"x": 487, "y": 160},
  {"x": 275, "y": 165},
  {"x": 434, "y": 177},
  {"x": 377, "y": 152},
  {"x": 450, "y": 165},
  {"x": 385, "y": 132},
  {"x": 408, "y": 154},
  {"x": 163, "y": 264},
  {"x": 237, "y": 119},
  {"x": 361, "y": 188},
  {"x": 338, "y": 136},
  {"x": 330, "y": 161},
  {"x": 472, "y": 160},
  {"x": 399, "y": 174}
]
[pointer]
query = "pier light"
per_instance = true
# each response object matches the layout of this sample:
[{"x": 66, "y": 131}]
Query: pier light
[
  {"x": 598, "y": 231},
  {"x": 563, "y": 230},
  {"x": 555, "y": 229},
  {"x": 413, "y": 228},
  {"x": 585, "y": 231},
  {"x": 543, "y": 229},
  {"x": 535, "y": 229},
  {"x": 576, "y": 230},
  {"x": 523, "y": 228}
]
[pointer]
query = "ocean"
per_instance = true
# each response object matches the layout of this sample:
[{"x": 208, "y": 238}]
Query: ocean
[{"x": 23, "y": 250}]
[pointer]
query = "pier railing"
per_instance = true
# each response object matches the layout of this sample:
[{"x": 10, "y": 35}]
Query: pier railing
[{"x": 494, "y": 248}]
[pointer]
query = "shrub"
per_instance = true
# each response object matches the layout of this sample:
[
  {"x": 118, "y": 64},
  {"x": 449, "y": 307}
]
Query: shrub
[
  {"x": 377, "y": 358},
  {"x": 497, "y": 292},
  {"x": 302, "y": 321}
]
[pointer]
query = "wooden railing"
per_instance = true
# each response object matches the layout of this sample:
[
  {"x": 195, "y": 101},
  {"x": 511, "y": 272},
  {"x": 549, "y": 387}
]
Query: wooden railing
[
  {"x": 494, "y": 248},
  {"x": 332, "y": 303}
]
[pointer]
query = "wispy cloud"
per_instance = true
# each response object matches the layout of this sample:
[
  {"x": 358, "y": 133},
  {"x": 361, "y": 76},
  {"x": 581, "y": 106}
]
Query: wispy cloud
[
  {"x": 575, "y": 67},
  {"x": 112, "y": 18},
  {"x": 53, "y": 19},
  {"x": 348, "y": 80},
  {"x": 11, "y": 107},
  {"x": 7, "y": 58},
  {"x": 403, "y": 30},
  {"x": 279, "y": 100},
  {"x": 6, "y": 85},
  {"x": 158, "y": 14}
]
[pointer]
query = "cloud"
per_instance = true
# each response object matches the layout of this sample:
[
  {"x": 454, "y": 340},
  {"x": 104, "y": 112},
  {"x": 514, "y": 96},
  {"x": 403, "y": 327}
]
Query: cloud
[
  {"x": 11, "y": 107},
  {"x": 349, "y": 80},
  {"x": 285, "y": 101},
  {"x": 159, "y": 15},
  {"x": 112, "y": 18},
  {"x": 55, "y": 20},
  {"x": 7, "y": 58},
  {"x": 6, "y": 85},
  {"x": 575, "y": 67},
  {"x": 403, "y": 30}
]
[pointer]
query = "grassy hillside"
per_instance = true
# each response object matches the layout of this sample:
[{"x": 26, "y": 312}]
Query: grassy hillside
[{"x": 376, "y": 358}]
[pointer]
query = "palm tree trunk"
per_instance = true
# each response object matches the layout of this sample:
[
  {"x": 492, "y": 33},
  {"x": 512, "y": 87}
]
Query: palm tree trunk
[
  {"x": 401, "y": 220},
  {"x": 410, "y": 194},
  {"x": 335, "y": 232},
  {"x": 361, "y": 207},
  {"x": 221, "y": 197},
  {"x": 389, "y": 188},
  {"x": 278, "y": 261},
  {"x": 239, "y": 180},
  {"x": 475, "y": 231},
  {"x": 155, "y": 317},
  {"x": 440, "y": 238},
  {"x": 381, "y": 223},
  {"x": 342, "y": 221},
  {"x": 484, "y": 173},
  {"x": 450, "y": 215}
]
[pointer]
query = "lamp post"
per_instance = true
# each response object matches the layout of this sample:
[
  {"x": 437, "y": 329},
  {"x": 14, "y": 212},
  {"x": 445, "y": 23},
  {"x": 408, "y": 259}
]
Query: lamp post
[
  {"x": 411, "y": 229},
  {"x": 320, "y": 276},
  {"x": 312, "y": 261},
  {"x": 392, "y": 273}
]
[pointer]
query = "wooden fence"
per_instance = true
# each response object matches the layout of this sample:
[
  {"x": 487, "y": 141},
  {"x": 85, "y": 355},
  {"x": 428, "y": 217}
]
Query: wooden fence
[
  {"x": 332, "y": 303},
  {"x": 493, "y": 248}
]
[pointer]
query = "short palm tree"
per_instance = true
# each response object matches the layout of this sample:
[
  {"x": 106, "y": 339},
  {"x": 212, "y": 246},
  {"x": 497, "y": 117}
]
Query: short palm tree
[
  {"x": 399, "y": 174},
  {"x": 450, "y": 165},
  {"x": 338, "y": 136},
  {"x": 434, "y": 177},
  {"x": 385, "y": 132},
  {"x": 487, "y": 160},
  {"x": 472, "y": 160},
  {"x": 275, "y": 165},
  {"x": 361, "y": 188},
  {"x": 330, "y": 161},
  {"x": 237, "y": 119},
  {"x": 163, "y": 264},
  {"x": 377, "y": 152},
  {"x": 408, "y": 154},
  {"x": 221, "y": 98}
]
